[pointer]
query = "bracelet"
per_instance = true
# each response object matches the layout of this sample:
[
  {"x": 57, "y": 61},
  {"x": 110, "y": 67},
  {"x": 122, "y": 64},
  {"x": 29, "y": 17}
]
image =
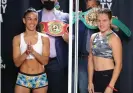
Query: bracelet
[{"x": 112, "y": 88}]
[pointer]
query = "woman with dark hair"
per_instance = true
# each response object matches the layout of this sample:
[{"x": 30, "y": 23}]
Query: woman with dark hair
[
  {"x": 31, "y": 54},
  {"x": 105, "y": 58}
]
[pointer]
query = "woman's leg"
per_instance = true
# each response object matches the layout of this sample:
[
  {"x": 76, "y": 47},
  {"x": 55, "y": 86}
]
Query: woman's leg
[
  {"x": 41, "y": 90},
  {"x": 20, "y": 89}
]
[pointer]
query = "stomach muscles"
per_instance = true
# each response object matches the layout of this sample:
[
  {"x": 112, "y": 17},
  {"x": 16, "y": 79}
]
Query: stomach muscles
[
  {"x": 101, "y": 64},
  {"x": 32, "y": 66}
]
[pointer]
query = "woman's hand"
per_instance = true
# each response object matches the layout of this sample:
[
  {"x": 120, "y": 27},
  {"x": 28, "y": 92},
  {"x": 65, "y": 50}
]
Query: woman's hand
[
  {"x": 90, "y": 88},
  {"x": 108, "y": 90},
  {"x": 29, "y": 49}
]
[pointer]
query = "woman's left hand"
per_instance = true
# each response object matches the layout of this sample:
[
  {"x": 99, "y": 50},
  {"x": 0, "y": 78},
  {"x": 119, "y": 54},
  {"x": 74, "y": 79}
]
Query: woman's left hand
[
  {"x": 108, "y": 90},
  {"x": 30, "y": 48}
]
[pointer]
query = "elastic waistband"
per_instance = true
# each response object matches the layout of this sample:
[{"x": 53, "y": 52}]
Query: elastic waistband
[
  {"x": 110, "y": 70},
  {"x": 32, "y": 74}
]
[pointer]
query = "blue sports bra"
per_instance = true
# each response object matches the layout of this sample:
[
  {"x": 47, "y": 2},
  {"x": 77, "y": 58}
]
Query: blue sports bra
[{"x": 100, "y": 46}]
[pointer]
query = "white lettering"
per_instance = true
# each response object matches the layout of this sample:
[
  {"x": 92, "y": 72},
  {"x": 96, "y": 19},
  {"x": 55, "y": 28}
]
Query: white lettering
[
  {"x": 4, "y": 1},
  {"x": 2, "y": 66},
  {"x": 103, "y": 5},
  {"x": 4, "y": 8},
  {"x": 102, "y": 0},
  {"x": 109, "y": 5},
  {"x": 109, "y": 0}
]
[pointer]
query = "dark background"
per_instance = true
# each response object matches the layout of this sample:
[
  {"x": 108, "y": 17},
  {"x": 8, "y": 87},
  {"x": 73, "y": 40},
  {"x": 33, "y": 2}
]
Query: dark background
[{"x": 12, "y": 26}]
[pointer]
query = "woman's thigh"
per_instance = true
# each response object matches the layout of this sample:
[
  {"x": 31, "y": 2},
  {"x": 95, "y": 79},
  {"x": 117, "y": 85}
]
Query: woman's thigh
[
  {"x": 41, "y": 90},
  {"x": 20, "y": 89}
]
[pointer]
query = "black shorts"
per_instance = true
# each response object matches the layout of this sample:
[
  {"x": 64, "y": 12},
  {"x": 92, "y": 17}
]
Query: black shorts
[{"x": 101, "y": 80}]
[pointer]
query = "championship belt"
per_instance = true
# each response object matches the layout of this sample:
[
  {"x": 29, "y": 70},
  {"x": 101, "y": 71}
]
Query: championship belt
[
  {"x": 79, "y": 15},
  {"x": 122, "y": 26},
  {"x": 54, "y": 28},
  {"x": 74, "y": 19},
  {"x": 89, "y": 18}
]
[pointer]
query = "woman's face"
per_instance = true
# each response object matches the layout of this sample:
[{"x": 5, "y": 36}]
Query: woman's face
[
  {"x": 31, "y": 21},
  {"x": 103, "y": 22}
]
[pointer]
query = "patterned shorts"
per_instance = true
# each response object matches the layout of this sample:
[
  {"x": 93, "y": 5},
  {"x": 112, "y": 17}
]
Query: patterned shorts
[{"x": 32, "y": 81}]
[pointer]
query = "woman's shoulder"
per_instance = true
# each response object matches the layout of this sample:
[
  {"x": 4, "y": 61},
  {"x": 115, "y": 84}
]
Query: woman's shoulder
[
  {"x": 114, "y": 37},
  {"x": 16, "y": 38},
  {"x": 44, "y": 36},
  {"x": 94, "y": 35}
]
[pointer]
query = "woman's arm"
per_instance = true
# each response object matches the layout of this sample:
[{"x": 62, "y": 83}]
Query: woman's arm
[
  {"x": 90, "y": 64},
  {"x": 90, "y": 67},
  {"x": 43, "y": 59},
  {"x": 117, "y": 54},
  {"x": 17, "y": 57}
]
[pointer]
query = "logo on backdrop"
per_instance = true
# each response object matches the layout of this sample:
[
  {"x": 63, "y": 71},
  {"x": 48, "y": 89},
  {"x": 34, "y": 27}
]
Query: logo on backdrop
[
  {"x": 3, "y": 6},
  {"x": 2, "y": 66},
  {"x": 106, "y": 3}
]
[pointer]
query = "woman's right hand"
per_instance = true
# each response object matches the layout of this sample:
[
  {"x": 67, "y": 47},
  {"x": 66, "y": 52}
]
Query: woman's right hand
[
  {"x": 29, "y": 47},
  {"x": 90, "y": 88}
]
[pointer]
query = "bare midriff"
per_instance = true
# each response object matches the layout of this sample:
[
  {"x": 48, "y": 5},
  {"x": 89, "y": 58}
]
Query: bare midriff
[
  {"x": 32, "y": 66},
  {"x": 101, "y": 64}
]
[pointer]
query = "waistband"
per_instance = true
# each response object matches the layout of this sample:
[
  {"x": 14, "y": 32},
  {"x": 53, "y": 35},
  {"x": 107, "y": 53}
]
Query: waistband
[
  {"x": 104, "y": 71},
  {"x": 32, "y": 74}
]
